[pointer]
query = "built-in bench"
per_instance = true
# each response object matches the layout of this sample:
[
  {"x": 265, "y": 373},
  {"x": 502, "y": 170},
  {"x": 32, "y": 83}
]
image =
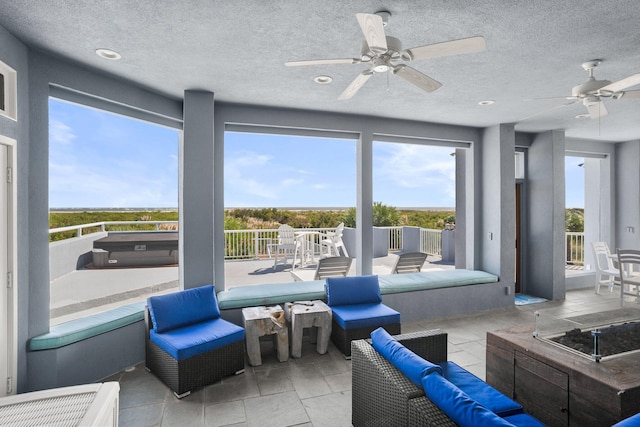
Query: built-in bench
[
  {"x": 417, "y": 296},
  {"x": 89, "y": 326}
]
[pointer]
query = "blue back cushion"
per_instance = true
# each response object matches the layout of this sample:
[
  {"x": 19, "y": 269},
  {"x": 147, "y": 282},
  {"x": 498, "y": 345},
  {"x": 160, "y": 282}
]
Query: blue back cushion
[
  {"x": 183, "y": 308},
  {"x": 458, "y": 406},
  {"x": 352, "y": 290},
  {"x": 633, "y": 421},
  {"x": 479, "y": 390},
  {"x": 406, "y": 361}
]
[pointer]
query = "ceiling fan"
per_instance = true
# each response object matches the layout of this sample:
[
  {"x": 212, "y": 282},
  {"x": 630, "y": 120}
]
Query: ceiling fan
[
  {"x": 384, "y": 54},
  {"x": 591, "y": 92}
]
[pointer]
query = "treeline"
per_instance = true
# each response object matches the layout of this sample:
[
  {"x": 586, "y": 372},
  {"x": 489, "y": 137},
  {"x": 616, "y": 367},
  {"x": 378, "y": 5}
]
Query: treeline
[{"x": 265, "y": 218}]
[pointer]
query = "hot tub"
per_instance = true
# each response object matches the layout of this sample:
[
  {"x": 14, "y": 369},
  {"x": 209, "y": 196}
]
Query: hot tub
[{"x": 136, "y": 249}]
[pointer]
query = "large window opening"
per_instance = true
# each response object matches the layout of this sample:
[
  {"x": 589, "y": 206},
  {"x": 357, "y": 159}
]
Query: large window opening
[
  {"x": 414, "y": 189},
  {"x": 575, "y": 214},
  {"x": 113, "y": 210},
  {"x": 305, "y": 182}
]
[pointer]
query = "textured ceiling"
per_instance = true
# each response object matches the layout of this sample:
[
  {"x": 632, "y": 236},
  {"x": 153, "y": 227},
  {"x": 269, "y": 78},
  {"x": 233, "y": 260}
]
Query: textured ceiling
[{"x": 237, "y": 50}]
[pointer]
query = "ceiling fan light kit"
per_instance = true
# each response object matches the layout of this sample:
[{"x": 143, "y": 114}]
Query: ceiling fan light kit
[{"x": 384, "y": 54}]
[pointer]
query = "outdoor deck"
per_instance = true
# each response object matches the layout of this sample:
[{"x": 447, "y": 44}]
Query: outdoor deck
[{"x": 87, "y": 291}]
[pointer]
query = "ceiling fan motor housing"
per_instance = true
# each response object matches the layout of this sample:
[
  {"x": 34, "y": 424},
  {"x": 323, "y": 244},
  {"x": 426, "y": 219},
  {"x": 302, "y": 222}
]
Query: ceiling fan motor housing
[{"x": 590, "y": 87}]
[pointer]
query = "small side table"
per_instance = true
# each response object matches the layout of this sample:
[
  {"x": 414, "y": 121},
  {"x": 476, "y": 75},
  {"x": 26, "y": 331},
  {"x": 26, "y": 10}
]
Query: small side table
[
  {"x": 309, "y": 314},
  {"x": 259, "y": 321}
]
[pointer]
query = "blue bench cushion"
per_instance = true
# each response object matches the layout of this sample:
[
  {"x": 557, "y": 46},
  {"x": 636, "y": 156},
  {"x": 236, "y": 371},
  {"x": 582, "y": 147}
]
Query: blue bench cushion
[
  {"x": 270, "y": 294},
  {"x": 183, "y": 308},
  {"x": 524, "y": 420},
  {"x": 479, "y": 390},
  {"x": 433, "y": 279},
  {"x": 364, "y": 315},
  {"x": 352, "y": 290},
  {"x": 199, "y": 338},
  {"x": 90, "y": 326},
  {"x": 406, "y": 361},
  {"x": 458, "y": 406}
]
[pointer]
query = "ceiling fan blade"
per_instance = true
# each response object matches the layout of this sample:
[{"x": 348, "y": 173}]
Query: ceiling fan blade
[
  {"x": 551, "y": 98},
  {"x": 548, "y": 110},
  {"x": 629, "y": 94},
  {"x": 323, "y": 62},
  {"x": 373, "y": 30},
  {"x": 596, "y": 109},
  {"x": 417, "y": 78},
  {"x": 355, "y": 85},
  {"x": 619, "y": 85},
  {"x": 453, "y": 47}
]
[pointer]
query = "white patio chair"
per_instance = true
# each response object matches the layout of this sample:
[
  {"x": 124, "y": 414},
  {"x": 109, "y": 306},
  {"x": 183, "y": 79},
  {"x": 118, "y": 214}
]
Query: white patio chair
[
  {"x": 628, "y": 259},
  {"x": 286, "y": 244},
  {"x": 331, "y": 244},
  {"x": 606, "y": 272},
  {"x": 409, "y": 262},
  {"x": 337, "y": 266}
]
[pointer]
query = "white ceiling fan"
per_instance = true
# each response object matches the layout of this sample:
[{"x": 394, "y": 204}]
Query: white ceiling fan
[
  {"x": 385, "y": 54},
  {"x": 591, "y": 92}
]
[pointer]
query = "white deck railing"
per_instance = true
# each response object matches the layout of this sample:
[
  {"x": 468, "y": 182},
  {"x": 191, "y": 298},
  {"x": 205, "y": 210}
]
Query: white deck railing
[
  {"x": 574, "y": 248},
  {"x": 247, "y": 244}
]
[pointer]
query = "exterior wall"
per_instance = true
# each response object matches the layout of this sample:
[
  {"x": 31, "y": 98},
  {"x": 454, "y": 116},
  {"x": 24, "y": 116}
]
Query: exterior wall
[{"x": 63, "y": 255}]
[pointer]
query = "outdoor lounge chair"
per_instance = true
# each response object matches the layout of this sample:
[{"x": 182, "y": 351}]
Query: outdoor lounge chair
[
  {"x": 188, "y": 345},
  {"x": 332, "y": 242},
  {"x": 286, "y": 244},
  {"x": 337, "y": 266},
  {"x": 357, "y": 309},
  {"x": 606, "y": 273},
  {"x": 410, "y": 262}
]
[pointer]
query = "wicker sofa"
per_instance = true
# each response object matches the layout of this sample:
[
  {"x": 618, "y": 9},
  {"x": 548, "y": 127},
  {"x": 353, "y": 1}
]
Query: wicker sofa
[{"x": 383, "y": 395}]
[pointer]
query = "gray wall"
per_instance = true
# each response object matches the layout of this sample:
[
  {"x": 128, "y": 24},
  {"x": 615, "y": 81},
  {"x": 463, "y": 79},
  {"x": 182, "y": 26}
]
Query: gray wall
[
  {"x": 14, "y": 54},
  {"x": 628, "y": 186},
  {"x": 63, "y": 255}
]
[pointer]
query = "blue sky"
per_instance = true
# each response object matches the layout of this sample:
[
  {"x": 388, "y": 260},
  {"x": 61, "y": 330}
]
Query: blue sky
[{"x": 103, "y": 160}]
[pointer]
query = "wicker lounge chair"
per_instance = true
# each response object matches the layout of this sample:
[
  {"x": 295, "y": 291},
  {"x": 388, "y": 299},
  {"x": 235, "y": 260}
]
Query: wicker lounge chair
[
  {"x": 188, "y": 345},
  {"x": 357, "y": 309}
]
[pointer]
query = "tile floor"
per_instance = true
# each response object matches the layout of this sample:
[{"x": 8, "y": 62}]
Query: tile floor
[{"x": 315, "y": 390}]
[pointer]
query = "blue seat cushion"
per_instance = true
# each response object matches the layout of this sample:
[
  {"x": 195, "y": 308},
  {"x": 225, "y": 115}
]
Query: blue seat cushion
[
  {"x": 179, "y": 309},
  {"x": 352, "y": 290},
  {"x": 202, "y": 337},
  {"x": 524, "y": 420},
  {"x": 479, "y": 390},
  {"x": 458, "y": 406},
  {"x": 406, "y": 361},
  {"x": 364, "y": 315}
]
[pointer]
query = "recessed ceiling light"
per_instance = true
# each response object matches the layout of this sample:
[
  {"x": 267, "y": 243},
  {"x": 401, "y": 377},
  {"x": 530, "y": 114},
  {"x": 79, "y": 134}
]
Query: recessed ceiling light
[
  {"x": 323, "y": 80},
  {"x": 582, "y": 116},
  {"x": 487, "y": 102},
  {"x": 108, "y": 54}
]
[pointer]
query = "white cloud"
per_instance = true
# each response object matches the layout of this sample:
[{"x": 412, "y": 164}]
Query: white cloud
[{"x": 60, "y": 133}]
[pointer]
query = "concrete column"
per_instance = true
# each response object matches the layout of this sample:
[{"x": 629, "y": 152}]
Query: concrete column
[
  {"x": 497, "y": 236},
  {"x": 364, "y": 207},
  {"x": 196, "y": 191},
  {"x": 545, "y": 211}
]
